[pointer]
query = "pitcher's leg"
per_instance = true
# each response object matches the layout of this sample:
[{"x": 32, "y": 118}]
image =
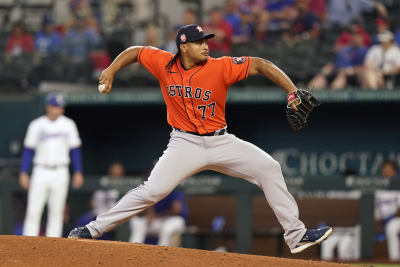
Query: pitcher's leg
[
  {"x": 183, "y": 158},
  {"x": 243, "y": 159}
]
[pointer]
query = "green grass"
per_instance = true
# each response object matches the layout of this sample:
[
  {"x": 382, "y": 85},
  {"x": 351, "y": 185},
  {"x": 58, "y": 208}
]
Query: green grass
[{"x": 376, "y": 265}]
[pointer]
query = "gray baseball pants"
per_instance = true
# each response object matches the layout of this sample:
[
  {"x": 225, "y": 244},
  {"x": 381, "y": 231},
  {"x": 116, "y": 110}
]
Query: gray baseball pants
[{"x": 188, "y": 154}]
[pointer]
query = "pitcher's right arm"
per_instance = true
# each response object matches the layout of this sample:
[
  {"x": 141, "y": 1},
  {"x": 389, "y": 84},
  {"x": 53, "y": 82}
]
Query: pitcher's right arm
[{"x": 129, "y": 56}]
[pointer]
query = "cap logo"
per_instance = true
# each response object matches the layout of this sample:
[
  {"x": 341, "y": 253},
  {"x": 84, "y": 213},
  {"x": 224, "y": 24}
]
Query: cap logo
[
  {"x": 59, "y": 99},
  {"x": 183, "y": 38},
  {"x": 199, "y": 28}
]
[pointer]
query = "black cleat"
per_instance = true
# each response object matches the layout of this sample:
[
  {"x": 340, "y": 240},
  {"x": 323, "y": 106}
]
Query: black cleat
[
  {"x": 80, "y": 232},
  {"x": 311, "y": 238}
]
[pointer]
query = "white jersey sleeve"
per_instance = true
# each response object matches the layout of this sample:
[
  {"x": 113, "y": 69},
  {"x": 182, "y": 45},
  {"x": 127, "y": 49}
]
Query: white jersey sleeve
[
  {"x": 396, "y": 56},
  {"x": 73, "y": 137},
  {"x": 32, "y": 135},
  {"x": 374, "y": 55}
]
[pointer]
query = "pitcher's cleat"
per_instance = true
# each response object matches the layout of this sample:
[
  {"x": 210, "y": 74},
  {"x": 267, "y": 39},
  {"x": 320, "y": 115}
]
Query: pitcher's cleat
[
  {"x": 80, "y": 232},
  {"x": 311, "y": 238}
]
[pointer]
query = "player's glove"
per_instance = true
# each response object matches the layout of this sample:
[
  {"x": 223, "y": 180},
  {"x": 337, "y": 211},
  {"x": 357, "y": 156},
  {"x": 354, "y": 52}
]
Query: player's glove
[{"x": 305, "y": 103}]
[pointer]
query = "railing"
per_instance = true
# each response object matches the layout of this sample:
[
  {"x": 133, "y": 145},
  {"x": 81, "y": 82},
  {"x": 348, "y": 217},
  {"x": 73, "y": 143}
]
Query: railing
[{"x": 235, "y": 95}]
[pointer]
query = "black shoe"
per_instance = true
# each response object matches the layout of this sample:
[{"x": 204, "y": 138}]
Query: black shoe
[
  {"x": 311, "y": 238},
  {"x": 80, "y": 232}
]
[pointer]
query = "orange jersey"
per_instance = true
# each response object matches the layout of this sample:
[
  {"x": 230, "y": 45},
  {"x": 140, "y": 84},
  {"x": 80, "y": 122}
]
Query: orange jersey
[{"x": 195, "y": 98}]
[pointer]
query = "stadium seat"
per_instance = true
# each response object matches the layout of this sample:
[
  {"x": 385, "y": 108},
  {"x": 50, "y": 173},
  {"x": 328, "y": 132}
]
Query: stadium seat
[{"x": 33, "y": 11}]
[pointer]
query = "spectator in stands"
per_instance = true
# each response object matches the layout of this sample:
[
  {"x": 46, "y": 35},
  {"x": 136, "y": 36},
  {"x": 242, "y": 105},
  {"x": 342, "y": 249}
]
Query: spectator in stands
[
  {"x": 318, "y": 8},
  {"x": 345, "y": 38},
  {"x": 104, "y": 199},
  {"x": 48, "y": 45},
  {"x": 244, "y": 32},
  {"x": 81, "y": 39},
  {"x": 80, "y": 7},
  {"x": 387, "y": 213},
  {"x": 189, "y": 17},
  {"x": 382, "y": 25},
  {"x": 18, "y": 61},
  {"x": 305, "y": 26},
  {"x": 232, "y": 16},
  {"x": 382, "y": 63},
  {"x": 47, "y": 41},
  {"x": 221, "y": 44},
  {"x": 100, "y": 60},
  {"x": 19, "y": 43},
  {"x": 282, "y": 12},
  {"x": 261, "y": 26},
  {"x": 152, "y": 36},
  {"x": 341, "y": 13},
  {"x": 348, "y": 64},
  {"x": 255, "y": 5},
  {"x": 165, "y": 219},
  {"x": 280, "y": 7},
  {"x": 397, "y": 37},
  {"x": 170, "y": 45},
  {"x": 250, "y": 16},
  {"x": 61, "y": 12}
]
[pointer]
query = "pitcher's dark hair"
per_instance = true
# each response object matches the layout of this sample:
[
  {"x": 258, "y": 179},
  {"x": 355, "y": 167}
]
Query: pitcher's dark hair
[{"x": 172, "y": 61}]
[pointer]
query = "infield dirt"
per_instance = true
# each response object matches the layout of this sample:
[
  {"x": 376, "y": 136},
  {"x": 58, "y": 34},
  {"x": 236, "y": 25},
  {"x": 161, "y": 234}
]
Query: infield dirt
[{"x": 43, "y": 251}]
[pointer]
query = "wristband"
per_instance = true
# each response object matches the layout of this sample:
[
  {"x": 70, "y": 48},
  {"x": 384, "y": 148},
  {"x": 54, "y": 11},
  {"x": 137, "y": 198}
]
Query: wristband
[{"x": 291, "y": 97}]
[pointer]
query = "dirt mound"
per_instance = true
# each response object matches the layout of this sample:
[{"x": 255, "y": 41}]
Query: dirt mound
[{"x": 42, "y": 251}]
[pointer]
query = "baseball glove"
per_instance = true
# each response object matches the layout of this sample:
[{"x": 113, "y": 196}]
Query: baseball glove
[{"x": 305, "y": 103}]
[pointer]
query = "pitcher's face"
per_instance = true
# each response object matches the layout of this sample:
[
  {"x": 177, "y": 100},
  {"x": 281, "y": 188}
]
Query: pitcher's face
[{"x": 197, "y": 51}]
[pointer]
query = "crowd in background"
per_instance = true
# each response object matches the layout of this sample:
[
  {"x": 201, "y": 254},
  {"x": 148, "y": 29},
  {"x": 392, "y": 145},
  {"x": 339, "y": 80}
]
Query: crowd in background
[{"x": 345, "y": 43}]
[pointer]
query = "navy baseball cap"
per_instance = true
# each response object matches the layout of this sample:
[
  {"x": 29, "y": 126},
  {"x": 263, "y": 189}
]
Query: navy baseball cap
[
  {"x": 191, "y": 33},
  {"x": 56, "y": 100}
]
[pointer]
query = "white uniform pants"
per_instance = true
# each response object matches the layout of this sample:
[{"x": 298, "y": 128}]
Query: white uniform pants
[
  {"x": 392, "y": 231},
  {"x": 167, "y": 229},
  {"x": 188, "y": 154},
  {"x": 51, "y": 186},
  {"x": 347, "y": 242}
]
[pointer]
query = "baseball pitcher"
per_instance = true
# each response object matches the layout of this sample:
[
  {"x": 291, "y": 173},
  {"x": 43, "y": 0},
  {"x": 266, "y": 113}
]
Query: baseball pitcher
[
  {"x": 194, "y": 87},
  {"x": 50, "y": 142}
]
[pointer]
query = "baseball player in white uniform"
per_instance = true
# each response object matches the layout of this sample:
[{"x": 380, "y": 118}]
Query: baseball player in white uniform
[
  {"x": 387, "y": 205},
  {"x": 49, "y": 142},
  {"x": 387, "y": 211}
]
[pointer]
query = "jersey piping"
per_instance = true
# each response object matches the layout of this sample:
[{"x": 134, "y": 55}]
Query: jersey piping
[
  {"x": 190, "y": 84},
  {"x": 183, "y": 100}
]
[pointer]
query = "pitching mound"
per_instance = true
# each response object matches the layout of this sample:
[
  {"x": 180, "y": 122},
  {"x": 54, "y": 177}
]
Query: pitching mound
[{"x": 42, "y": 251}]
